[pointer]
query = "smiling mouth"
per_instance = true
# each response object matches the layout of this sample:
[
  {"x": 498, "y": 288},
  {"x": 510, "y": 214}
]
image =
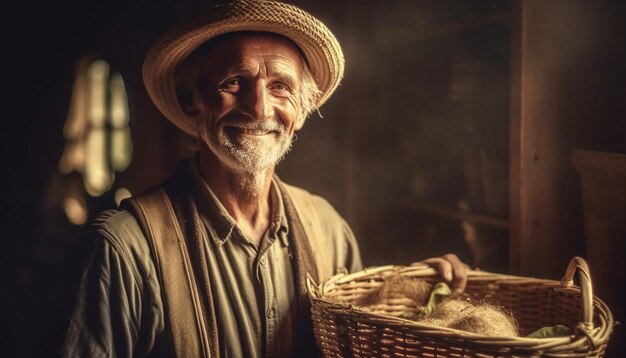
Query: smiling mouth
[{"x": 257, "y": 132}]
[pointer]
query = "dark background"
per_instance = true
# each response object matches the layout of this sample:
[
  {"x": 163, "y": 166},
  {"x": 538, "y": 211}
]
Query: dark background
[{"x": 453, "y": 131}]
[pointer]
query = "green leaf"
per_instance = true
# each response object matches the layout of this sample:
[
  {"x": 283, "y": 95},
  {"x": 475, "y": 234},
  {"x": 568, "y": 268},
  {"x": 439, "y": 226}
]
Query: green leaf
[
  {"x": 440, "y": 292},
  {"x": 551, "y": 332}
]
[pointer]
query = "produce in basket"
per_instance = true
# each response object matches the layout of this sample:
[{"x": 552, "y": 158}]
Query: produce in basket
[
  {"x": 399, "y": 289},
  {"x": 482, "y": 318},
  {"x": 437, "y": 306}
]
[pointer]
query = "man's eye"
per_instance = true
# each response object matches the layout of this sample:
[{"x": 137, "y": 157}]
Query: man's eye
[
  {"x": 281, "y": 88},
  {"x": 231, "y": 85}
]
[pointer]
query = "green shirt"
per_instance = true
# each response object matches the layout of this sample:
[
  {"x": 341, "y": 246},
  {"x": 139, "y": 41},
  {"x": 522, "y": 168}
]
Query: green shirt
[{"x": 108, "y": 299}]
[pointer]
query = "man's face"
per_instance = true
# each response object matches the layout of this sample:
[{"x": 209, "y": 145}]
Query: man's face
[{"x": 250, "y": 104}]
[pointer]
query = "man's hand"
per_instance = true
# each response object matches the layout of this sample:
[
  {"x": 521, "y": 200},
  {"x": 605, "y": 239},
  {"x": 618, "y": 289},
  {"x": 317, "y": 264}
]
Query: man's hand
[{"x": 450, "y": 268}]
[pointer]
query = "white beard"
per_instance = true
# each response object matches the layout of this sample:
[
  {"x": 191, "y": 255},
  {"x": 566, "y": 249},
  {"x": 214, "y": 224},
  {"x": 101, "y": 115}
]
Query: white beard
[{"x": 246, "y": 153}]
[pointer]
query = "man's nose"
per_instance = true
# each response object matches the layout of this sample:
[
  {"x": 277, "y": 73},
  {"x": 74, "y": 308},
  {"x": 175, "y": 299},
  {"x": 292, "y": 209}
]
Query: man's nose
[{"x": 256, "y": 102}]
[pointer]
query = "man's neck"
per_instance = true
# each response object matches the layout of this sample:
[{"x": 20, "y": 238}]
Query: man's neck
[{"x": 245, "y": 195}]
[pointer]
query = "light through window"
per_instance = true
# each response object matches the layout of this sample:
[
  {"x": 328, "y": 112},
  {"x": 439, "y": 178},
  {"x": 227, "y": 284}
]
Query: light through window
[{"x": 97, "y": 134}]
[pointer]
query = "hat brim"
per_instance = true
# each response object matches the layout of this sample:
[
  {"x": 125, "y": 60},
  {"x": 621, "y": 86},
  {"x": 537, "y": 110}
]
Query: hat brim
[{"x": 321, "y": 49}]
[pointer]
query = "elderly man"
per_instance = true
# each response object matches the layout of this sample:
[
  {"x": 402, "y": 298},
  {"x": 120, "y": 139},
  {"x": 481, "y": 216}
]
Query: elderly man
[{"x": 213, "y": 261}]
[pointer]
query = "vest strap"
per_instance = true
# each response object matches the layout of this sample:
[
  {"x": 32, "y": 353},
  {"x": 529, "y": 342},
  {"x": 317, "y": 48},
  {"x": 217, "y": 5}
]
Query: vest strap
[{"x": 155, "y": 213}]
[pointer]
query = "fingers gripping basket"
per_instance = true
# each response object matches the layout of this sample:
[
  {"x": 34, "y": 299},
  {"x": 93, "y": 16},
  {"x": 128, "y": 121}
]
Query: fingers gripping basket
[{"x": 344, "y": 330}]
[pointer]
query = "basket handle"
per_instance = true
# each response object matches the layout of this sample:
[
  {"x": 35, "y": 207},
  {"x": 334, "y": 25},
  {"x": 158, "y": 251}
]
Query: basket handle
[
  {"x": 579, "y": 264},
  {"x": 311, "y": 286}
]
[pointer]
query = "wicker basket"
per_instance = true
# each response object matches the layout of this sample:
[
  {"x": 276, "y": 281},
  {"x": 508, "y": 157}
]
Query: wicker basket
[{"x": 344, "y": 330}]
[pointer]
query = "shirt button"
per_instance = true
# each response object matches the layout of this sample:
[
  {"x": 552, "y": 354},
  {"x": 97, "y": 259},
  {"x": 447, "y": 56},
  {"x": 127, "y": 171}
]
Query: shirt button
[
  {"x": 270, "y": 312},
  {"x": 263, "y": 260}
]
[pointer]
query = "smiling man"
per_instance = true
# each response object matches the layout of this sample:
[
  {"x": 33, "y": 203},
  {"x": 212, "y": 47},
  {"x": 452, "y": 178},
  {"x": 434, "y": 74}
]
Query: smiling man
[
  {"x": 213, "y": 262},
  {"x": 246, "y": 93}
]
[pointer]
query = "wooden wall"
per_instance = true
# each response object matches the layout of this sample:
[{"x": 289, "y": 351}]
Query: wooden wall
[{"x": 568, "y": 82}]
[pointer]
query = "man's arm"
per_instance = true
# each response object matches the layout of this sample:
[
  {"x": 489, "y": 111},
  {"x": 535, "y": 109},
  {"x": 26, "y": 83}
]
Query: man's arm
[{"x": 98, "y": 302}]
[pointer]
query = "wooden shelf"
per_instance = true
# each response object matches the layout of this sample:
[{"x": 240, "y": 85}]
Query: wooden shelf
[{"x": 461, "y": 215}]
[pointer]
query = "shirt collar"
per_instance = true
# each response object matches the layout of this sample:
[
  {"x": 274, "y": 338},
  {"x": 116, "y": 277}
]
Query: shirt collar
[{"x": 219, "y": 222}]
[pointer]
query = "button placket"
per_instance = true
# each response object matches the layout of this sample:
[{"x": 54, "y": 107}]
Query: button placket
[{"x": 270, "y": 313}]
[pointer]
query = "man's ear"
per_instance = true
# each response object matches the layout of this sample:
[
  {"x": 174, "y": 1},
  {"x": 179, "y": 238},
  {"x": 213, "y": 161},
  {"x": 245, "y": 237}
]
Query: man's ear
[
  {"x": 188, "y": 102},
  {"x": 300, "y": 122}
]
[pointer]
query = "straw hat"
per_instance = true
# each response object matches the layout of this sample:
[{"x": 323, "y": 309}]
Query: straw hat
[{"x": 319, "y": 46}]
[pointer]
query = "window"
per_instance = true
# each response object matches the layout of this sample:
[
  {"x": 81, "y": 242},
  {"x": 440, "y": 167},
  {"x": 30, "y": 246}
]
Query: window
[{"x": 97, "y": 134}]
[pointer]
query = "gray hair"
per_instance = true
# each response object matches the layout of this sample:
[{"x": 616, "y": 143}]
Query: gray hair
[{"x": 309, "y": 92}]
